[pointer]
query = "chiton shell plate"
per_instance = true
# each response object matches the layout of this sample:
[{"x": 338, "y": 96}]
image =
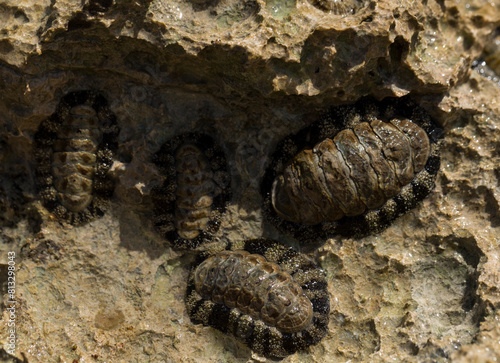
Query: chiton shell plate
[
  {"x": 354, "y": 171},
  {"x": 74, "y": 151},
  {"x": 196, "y": 190},
  {"x": 265, "y": 294}
]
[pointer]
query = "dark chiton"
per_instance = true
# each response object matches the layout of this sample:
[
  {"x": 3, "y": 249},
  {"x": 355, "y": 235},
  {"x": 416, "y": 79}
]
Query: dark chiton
[
  {"x": 191, "y": 201},
  {"x": 74, "y": 150},
  {"x": 266, "y": 295},
  {"x": 353, "y": 172}
]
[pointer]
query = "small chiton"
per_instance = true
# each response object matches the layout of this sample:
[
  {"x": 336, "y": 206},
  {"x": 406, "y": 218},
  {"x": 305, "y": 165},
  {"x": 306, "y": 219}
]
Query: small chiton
[
  {"x": 265, "y": 294},
  {"x": 74, "y": 151},
  {"x": 353, "y": 172},
  {"x": 191, "y": 201}
]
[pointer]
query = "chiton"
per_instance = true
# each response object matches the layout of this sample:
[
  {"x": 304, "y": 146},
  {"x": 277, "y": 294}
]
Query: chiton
[
  {"x": 74, "y": 151},
  {"x": 265, "y": 294},
  {"x": 191, "y": 201},
  {"x": 353, "y": 172}
]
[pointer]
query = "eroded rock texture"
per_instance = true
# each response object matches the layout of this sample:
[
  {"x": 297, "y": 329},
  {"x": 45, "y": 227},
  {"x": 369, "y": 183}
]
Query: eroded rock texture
[{"x": 250, "y": 72}]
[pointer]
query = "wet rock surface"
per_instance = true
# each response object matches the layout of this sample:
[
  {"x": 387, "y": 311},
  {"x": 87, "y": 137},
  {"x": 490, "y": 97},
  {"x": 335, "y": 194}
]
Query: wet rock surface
[{"x": 249, "y": 73}]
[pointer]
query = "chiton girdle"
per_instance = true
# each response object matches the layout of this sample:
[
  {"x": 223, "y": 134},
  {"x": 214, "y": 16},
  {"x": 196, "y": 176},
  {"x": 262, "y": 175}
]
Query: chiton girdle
[
  {"x": 74, "y": 151},
  {"x": 298, "y": 160},
  {"x": 190, "y": 203},
  {"x": 261, "y": 278}
]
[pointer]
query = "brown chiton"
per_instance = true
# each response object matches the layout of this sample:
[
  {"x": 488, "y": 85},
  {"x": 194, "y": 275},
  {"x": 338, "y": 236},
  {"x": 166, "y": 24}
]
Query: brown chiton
[
  {"x": 74, "y": 152},
  {"x": 265, "y": 294},
  {"x": 353, "y": 172},
  {"x": 191, "y": 201}
]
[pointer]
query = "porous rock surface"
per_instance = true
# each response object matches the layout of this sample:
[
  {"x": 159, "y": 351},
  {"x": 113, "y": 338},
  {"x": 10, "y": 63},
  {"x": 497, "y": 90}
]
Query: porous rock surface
[{"x": 249, "y": 72}]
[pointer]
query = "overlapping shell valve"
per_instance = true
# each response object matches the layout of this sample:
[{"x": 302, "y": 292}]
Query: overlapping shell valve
[
  {"x": 190, "y": 203},
  {"x": 267, "y": 295},
  {"x": 362, "y": 166},
  {"x": 351, "y": 173},
  {"x": 74, "y": 151}
]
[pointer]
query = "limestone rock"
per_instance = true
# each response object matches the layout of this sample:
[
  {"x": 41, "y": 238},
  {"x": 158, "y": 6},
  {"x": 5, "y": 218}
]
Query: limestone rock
[{"x": 249, "y": 73}]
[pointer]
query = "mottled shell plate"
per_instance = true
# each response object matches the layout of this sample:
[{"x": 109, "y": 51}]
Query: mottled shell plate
[
  {"x": 353, "y": 172},
  {"x": 266, "y": 295}
]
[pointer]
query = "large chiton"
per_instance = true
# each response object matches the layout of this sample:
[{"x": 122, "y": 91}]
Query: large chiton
[
  {"x": 74, "y": 151},
  {"x": 267, "y": 295},
  {"x": 193, "y": 197},
  {"x": 353, "y": 172}
]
